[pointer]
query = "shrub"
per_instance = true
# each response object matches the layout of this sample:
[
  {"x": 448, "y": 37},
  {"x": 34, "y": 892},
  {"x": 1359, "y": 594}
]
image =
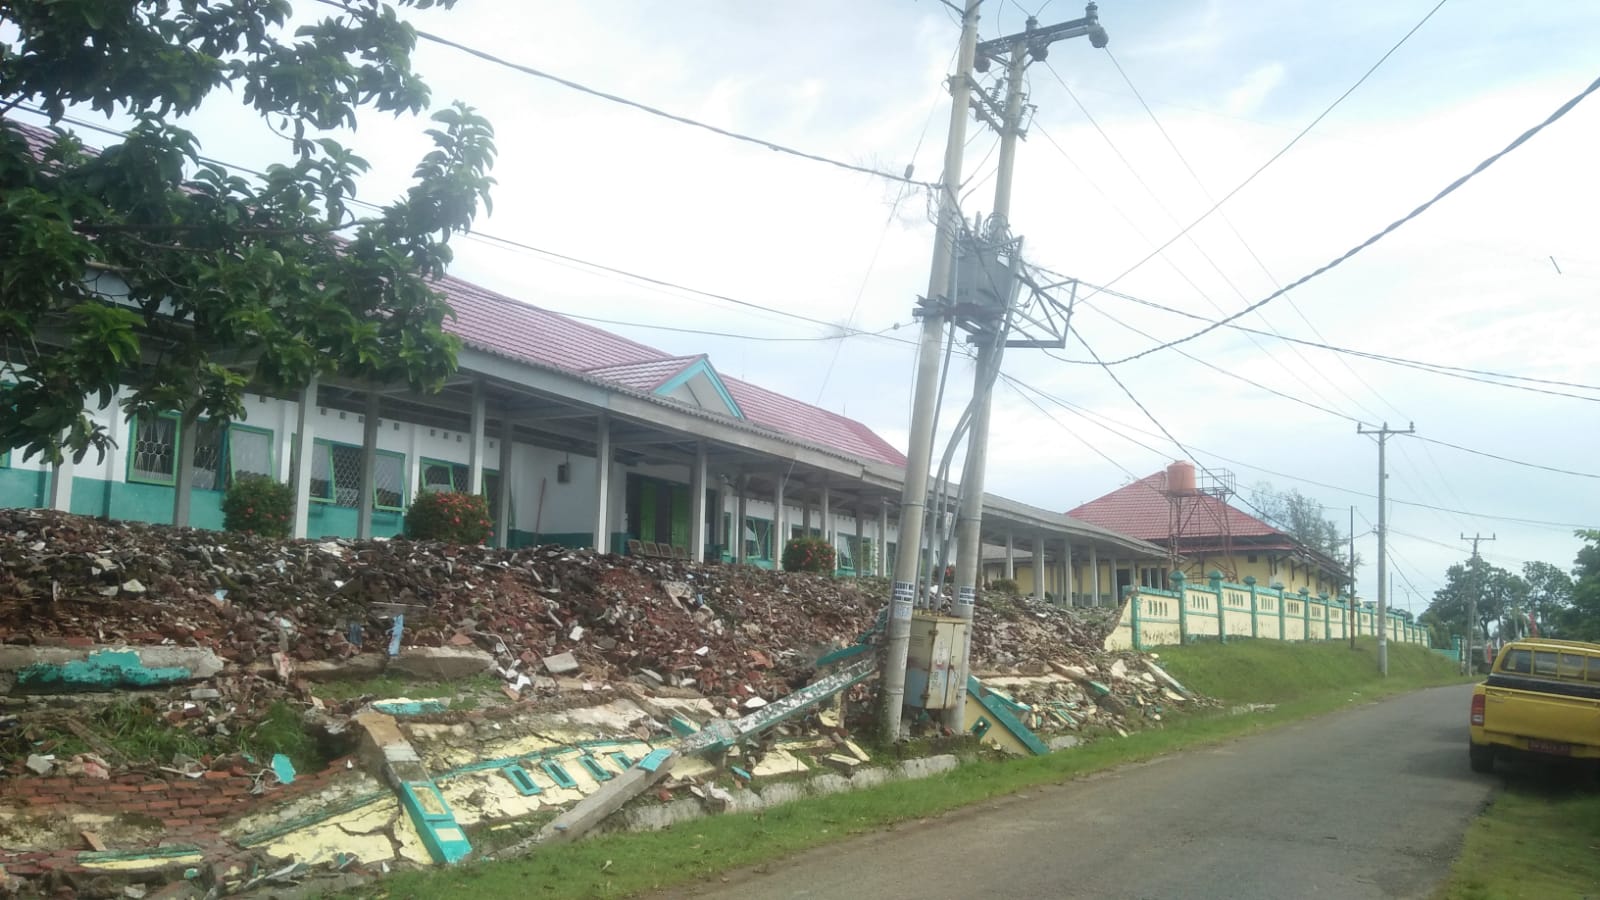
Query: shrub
[
  {"x": 455, "y": 518},
  {"x": 809, "y": 554},
  {"x": 1004, "y": 586},
  {"x": 255, "y": 504}
]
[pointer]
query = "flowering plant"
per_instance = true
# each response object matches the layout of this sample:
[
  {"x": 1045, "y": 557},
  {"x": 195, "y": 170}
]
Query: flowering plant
[
  {"x": 449, "y": 516},
  {"x": 809, "y": 554},
  {"x": 255, "y": 504}
]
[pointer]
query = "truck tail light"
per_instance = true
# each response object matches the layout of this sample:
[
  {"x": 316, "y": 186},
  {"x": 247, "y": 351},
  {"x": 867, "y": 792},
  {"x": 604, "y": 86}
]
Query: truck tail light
[{"x": 1477, "y": 709}]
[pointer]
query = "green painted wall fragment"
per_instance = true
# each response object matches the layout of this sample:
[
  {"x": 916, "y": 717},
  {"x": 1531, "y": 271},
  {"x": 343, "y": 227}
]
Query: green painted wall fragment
[{"x": 102, "y": 670}]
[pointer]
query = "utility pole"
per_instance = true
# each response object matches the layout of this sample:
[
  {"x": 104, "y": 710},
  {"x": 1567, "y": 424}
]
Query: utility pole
[
  {"x": 1017, "y": 50},
  {"x": 933, "y": 309},
  {"x": 1350, "y": 611},
  {"x": 1472, "y": 597},
  {"x": 1383, "y": 434}
]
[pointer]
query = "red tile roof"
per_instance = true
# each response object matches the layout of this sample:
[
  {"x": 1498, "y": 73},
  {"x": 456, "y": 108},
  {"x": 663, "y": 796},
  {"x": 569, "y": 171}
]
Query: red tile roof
[
  {"x": 505, "y": 327},
  {"x": 645, "y": 376},
  {"x": 1142, "y": 510}
]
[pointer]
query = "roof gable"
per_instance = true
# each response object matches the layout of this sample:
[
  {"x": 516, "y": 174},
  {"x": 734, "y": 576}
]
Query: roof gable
[
  {"x": 686, "y": 379},
  {"x": 1143, "y": 510}
]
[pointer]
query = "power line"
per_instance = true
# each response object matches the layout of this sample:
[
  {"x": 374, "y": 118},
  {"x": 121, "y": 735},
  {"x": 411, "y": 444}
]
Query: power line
[
  {"x": 729, "y": 334},
  {"x": 1435, "y": 368},
  {"x": 654, "y": 111},
  {"x": 1286, "y": 147},
  {"x": 1261, "y": 264},
  {"x": 1449, "y": 189},
  {"x": 1161, "y": 205},
  {"x": 1120, "y": 429},
  {"x": 1507, "y": 459}
]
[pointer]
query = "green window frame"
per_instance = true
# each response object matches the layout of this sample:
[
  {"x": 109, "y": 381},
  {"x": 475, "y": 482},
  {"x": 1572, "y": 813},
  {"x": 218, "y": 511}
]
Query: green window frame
[
  {"x": 336, "y": 476},
  {"x": 155, "y": 446},
  {"x": 757, "y": 538}
]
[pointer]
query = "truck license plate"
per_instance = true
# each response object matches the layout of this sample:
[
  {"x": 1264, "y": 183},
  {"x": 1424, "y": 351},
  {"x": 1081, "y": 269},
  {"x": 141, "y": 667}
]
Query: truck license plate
[{"x": 1554, "y": 748}]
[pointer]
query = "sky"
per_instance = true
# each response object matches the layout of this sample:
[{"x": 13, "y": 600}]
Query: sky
[{"x": 1501, "y": 276}]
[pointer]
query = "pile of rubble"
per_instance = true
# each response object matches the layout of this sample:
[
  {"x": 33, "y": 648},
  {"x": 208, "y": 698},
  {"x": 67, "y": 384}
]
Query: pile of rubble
[{"x": 549, "y": 615}]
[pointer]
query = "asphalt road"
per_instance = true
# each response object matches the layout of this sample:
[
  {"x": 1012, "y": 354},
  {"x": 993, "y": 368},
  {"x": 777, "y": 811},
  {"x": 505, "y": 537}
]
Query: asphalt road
[{"x": 1369, "y": 802}]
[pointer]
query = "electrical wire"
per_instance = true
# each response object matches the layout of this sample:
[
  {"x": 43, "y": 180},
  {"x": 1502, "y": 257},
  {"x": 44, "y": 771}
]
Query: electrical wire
[
  {"x": 1120, "y": 429},
  {"x": 1287, "y": 147},
  {"x": 1193, "y": 243},
  {"x": 1449, "y": 189},
  {"x": 1239, "y": 236},
  {"x": 725, "y": 334},
  {"x": 651, "y": 110}
]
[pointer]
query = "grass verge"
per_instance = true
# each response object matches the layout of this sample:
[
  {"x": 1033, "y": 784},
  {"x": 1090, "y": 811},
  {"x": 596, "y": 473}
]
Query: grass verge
[
  {"x": 1536, "y": 840},
  {"x": 622, "y": 865}
]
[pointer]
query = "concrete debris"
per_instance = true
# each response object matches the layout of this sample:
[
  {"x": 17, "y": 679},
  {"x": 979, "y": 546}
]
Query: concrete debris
[
  {"x": 442, "y": 663},
  {"x": 562, "y": 664},
  {"x": 41, "y": 765}
]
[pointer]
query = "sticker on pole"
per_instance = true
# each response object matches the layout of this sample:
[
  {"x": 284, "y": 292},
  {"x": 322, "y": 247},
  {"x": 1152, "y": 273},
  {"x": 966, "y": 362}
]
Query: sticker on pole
[
  {"x": 900, "y": 607},
  {"x": 966, "y": 599}
]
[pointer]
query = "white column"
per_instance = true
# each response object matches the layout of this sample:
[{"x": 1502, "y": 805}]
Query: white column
[
  {"x": 476, "y": 443},
  {"x": 1011, "y": 550},
  {"x": 183, "y": 482},
  {"x": 780, "y": 532},
  {"x": 827, "y": 515},
  {"x": 697, "y": 504},
  {"x": 1068, "y": 586},
  {"x": 503, "y": 523},
  {"x": 60, "y": 497},
  {"x": 860, "y": 539},
  {"x": 1094, "y": 564},
  {"x": 369, "y": 468},
  {"x": 304, "y": 446},
  {"x": 1038, "y": 567},
  {"x": 883, "y": 538},
  {"x": 742, "y": 511},
  {"x": 602, "y": 483}
]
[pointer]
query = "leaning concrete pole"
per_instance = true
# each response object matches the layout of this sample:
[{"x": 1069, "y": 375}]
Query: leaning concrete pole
[{"x": 914, "y": 493}]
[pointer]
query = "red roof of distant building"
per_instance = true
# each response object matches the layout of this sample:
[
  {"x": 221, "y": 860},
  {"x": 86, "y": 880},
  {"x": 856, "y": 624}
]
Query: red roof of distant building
[{"x": 1142, "y": 510}]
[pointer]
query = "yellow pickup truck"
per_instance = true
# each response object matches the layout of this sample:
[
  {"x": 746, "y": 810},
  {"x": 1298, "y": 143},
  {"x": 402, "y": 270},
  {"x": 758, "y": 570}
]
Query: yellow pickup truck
[{"x": 1541, "y": 697}]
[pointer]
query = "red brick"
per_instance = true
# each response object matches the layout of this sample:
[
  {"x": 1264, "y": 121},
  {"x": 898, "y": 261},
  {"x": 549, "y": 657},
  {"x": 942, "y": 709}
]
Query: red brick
[
  {"x": 153, "y": 786},
  {"x": 122, "y": 788},
  {"x": 25, "y": 869},
  {"x": 217, "y": 776},
  {"x": 161, "y": 804},
  {"x": 192, "y": 800}
]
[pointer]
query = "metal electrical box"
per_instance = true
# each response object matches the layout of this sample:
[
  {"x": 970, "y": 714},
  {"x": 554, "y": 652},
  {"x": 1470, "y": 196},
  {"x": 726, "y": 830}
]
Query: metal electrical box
[{"x": 936, "y": 645}]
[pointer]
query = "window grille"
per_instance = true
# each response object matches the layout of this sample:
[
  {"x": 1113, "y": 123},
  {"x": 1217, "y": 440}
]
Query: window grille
[
  {"x": 208, "y": 457},
  {"x": 155, "y": 450},
  {"x": 388, "y": 482}
]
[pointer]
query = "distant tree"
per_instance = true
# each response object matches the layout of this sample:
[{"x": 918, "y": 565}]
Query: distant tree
[
  {"x": 142, "y": 265},
  {"x": 1549, "y": 596},
  {"x": 1302, "y": 517},
  {"x": 1582, "y": 619},
  {"x": 1500, "y": 595}
]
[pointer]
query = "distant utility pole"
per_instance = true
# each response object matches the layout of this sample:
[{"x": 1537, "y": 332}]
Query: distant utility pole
[
  {"x": 1472, "y": 596},
  {"x": 1383, "y": 434},
  {"x": 1349, "y": 623},
  {"x": 934, "y": 312},
  {"x": 1016, "y": 50}
]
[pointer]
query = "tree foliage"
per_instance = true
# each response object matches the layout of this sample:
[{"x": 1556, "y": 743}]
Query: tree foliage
[
  {"x": 143, "y": 265},
  {"x": 1582, "y": 618},
  {"x": 1301, "y": 517}
]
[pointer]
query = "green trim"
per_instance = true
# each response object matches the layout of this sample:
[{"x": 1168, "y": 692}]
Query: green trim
[
  {"x": 272, "y": 450},
  {"x": 701, "y": 366}
]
